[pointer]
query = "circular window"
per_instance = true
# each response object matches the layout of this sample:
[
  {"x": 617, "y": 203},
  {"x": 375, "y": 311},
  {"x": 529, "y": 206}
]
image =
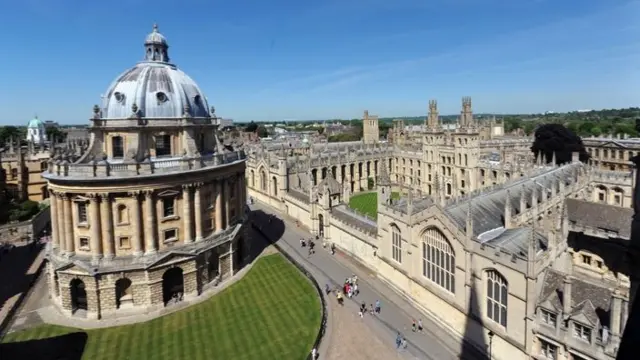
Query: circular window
[
  {"x": 119, "y": 97},
  {"x": 162, "y": 97}
]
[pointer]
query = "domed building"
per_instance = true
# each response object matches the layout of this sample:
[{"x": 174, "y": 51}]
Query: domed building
[
  {"x": 155, "y": 209},
  {"x": 36, "y": 132}
]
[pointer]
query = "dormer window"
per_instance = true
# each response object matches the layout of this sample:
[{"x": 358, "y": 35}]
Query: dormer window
[
  {"x": 548, "y": 317},
  {"x": 581, "y": 332},
  {"x": 586, "y": 259}
]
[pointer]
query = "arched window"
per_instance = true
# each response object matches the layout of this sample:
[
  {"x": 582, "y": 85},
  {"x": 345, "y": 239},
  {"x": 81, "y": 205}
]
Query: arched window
[
  {"x": 274, "y": 183},
  {"x": 263, "y": 180},
  {"x": 396, "y": 244},
  {"x": 253, "y": 179},
  {"x": 123, "y": 214},
  {"x": 438, "y": 260},
  {"x": 497, "y": 293}
]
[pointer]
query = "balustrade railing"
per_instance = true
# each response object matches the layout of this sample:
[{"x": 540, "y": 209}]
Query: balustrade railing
[{"x": 147, "y": 167}]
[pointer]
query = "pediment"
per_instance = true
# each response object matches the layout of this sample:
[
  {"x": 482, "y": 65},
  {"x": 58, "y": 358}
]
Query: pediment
[
  {"x": 80, "y": 198},
  {"x": 434, "y": 217},
  {"x": 583, "y": 319},
  {"x": 613, "y": 145},
  {"x": 76, "y": 267},
  {"x": 170, "y": 258},
  {"x": 549, "y": 303},
  {"x": 169, "y": 193}
]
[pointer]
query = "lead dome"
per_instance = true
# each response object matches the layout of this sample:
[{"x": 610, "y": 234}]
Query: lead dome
[{"x": 154, "y": 88}]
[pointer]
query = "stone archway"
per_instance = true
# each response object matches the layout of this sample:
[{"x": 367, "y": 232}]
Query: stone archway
[
  {"x": 78, "y": 295},
  {"x": 213, "y": 264},
  {"x": 172, "y": 284},
  {"x": 320, "y": 226},
  {"x": 238, "y": 253},
  {"x": 124, "y": 293}
]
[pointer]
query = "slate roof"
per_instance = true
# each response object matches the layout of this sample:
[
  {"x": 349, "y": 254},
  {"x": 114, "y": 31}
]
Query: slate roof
[
  {"x": 601, "y": 216},
  {"x": 367, "y": 225},
  {"x": 488, "y": 207},
  {"x": 516, "y": 241},
  {"x": 296, "y": 194},
  {"x": 591, "y": 300},
  {"x": 418, "y": 205}
]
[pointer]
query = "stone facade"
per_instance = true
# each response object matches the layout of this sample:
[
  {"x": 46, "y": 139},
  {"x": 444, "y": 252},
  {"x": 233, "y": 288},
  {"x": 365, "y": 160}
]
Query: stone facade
[
  {"x": 496, "y": 246},
  {"x": 153, "y": 210}
]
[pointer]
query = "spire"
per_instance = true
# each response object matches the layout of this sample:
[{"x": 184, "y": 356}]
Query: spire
[
  {"x": 532, "y": 248},
  {"x": 469, "y": 225},
  {"x": 507, "y": 211},
  {"x": 383, "y": 177}
]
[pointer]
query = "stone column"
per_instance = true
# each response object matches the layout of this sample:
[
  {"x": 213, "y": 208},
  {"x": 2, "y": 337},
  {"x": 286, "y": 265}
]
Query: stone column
[
  {"x": 59, "y": 220},
  {"x": 55, "y": 237},
  {"x": 96, "y": 246},
  {"x": 219, "y": 225},
  {"x": 106, "y": 215},
  {"x": 186, "y": 213},
  {"x": 226, "y": 200},
  {"x": 239, "y": 191},
  {"x": 68, "y": 225},
  {"x": 137, "y": 224},
  {"x": 197, "y": 199},
  {"x": 615, "y": 315},
  {"x": 150, "y": 221}
]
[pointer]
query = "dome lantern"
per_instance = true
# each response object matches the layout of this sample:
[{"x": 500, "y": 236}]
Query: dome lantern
[{"x": 156, "y": 47}]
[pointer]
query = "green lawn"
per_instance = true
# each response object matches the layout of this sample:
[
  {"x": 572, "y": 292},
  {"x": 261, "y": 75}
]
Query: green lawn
[
  {"x": 368, "y": 203},
  {"x": 272, "y": 313}
]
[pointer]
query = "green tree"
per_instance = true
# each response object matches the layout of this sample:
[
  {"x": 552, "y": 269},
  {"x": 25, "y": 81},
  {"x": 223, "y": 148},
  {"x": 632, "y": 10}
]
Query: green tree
[
  {"x": 262, "y": 132},
  {"x": 251, "y": 127},
  {"x": 7, "y": 132},
  {"x": 54, "y": 134}
]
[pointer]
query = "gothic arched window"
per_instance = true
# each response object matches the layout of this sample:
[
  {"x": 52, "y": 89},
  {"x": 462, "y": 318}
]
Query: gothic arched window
[
  {"x": 396, "y": 244},
  {"x": 438, "y": 260},
  {"x": 497, "y": 294}
]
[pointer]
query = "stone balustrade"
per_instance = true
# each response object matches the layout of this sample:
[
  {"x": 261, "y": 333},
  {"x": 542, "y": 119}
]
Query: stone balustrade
[{"x": 101, "y": 169}]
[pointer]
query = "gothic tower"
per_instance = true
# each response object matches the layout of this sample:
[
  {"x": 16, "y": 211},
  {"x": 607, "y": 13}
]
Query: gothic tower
[{"x": 370, "y": 129}]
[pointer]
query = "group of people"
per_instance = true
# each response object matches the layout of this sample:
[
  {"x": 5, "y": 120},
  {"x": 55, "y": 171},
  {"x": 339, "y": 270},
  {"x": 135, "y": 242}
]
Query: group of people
[{"x": 308, "y": 243}]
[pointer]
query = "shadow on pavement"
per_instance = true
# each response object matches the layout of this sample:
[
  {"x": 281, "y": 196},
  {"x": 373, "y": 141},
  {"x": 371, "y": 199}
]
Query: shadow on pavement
[
  {"x": 64, "y": 347},
  {"x": 14, "y": 264}
]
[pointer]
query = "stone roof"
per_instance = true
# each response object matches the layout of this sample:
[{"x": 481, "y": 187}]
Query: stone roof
[
  {"x": 591, "y": 300},
  {"x": 345, "y": 215},
  {"x": 383, "y": 176},
  {"x": 601, "y": 216},
  {"x": 331, "y": 184},
  {"x": 488, "y": 206}
]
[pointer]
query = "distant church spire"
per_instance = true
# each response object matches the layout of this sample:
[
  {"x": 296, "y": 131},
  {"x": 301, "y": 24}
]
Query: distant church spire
[{"x": 156, "y": 47}]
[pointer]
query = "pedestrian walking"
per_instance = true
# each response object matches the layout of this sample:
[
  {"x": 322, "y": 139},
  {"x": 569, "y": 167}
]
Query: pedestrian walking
[
  {"x": 371, "y": 309},
  {"x": 327, "y": 289},
  {"x": 377, "y": 306},
  {"x": 413, "y": 325},
  {"x": 420, "y": 325},
  {"x": 398, "y": 341},
  {"x": 314, "y": 354}
]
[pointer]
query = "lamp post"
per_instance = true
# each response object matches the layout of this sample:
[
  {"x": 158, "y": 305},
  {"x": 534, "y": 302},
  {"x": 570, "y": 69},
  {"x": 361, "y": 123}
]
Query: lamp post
[{"x": 490, "y": 343}]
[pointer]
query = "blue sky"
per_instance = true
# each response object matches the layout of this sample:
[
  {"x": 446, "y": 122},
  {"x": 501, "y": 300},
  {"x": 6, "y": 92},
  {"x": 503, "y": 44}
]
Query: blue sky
[{"x": 286, "y": 59}]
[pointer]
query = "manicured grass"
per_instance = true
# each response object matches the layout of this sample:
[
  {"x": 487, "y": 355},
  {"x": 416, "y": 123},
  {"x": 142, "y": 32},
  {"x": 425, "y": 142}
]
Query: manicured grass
[
  {"x": 272, "y": 313},
  {"x": 368, "y": 203}
]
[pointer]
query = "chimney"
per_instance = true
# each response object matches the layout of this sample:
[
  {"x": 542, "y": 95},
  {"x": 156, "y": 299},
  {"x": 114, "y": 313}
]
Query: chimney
[
  {"x": 566, "y": 295},
  {"x": 575, "y": 157}
]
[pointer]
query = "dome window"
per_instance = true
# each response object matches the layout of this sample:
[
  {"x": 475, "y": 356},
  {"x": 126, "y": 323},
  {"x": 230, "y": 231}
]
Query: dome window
[
  {"x": 119, "y": 97},
  {"x": 197, "y": 100},
  {"x": 161, "y": 97}
]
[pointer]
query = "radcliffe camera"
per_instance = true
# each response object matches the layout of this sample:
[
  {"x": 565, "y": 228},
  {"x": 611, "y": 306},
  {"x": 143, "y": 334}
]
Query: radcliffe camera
[{"x": 213, "y": 181}]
